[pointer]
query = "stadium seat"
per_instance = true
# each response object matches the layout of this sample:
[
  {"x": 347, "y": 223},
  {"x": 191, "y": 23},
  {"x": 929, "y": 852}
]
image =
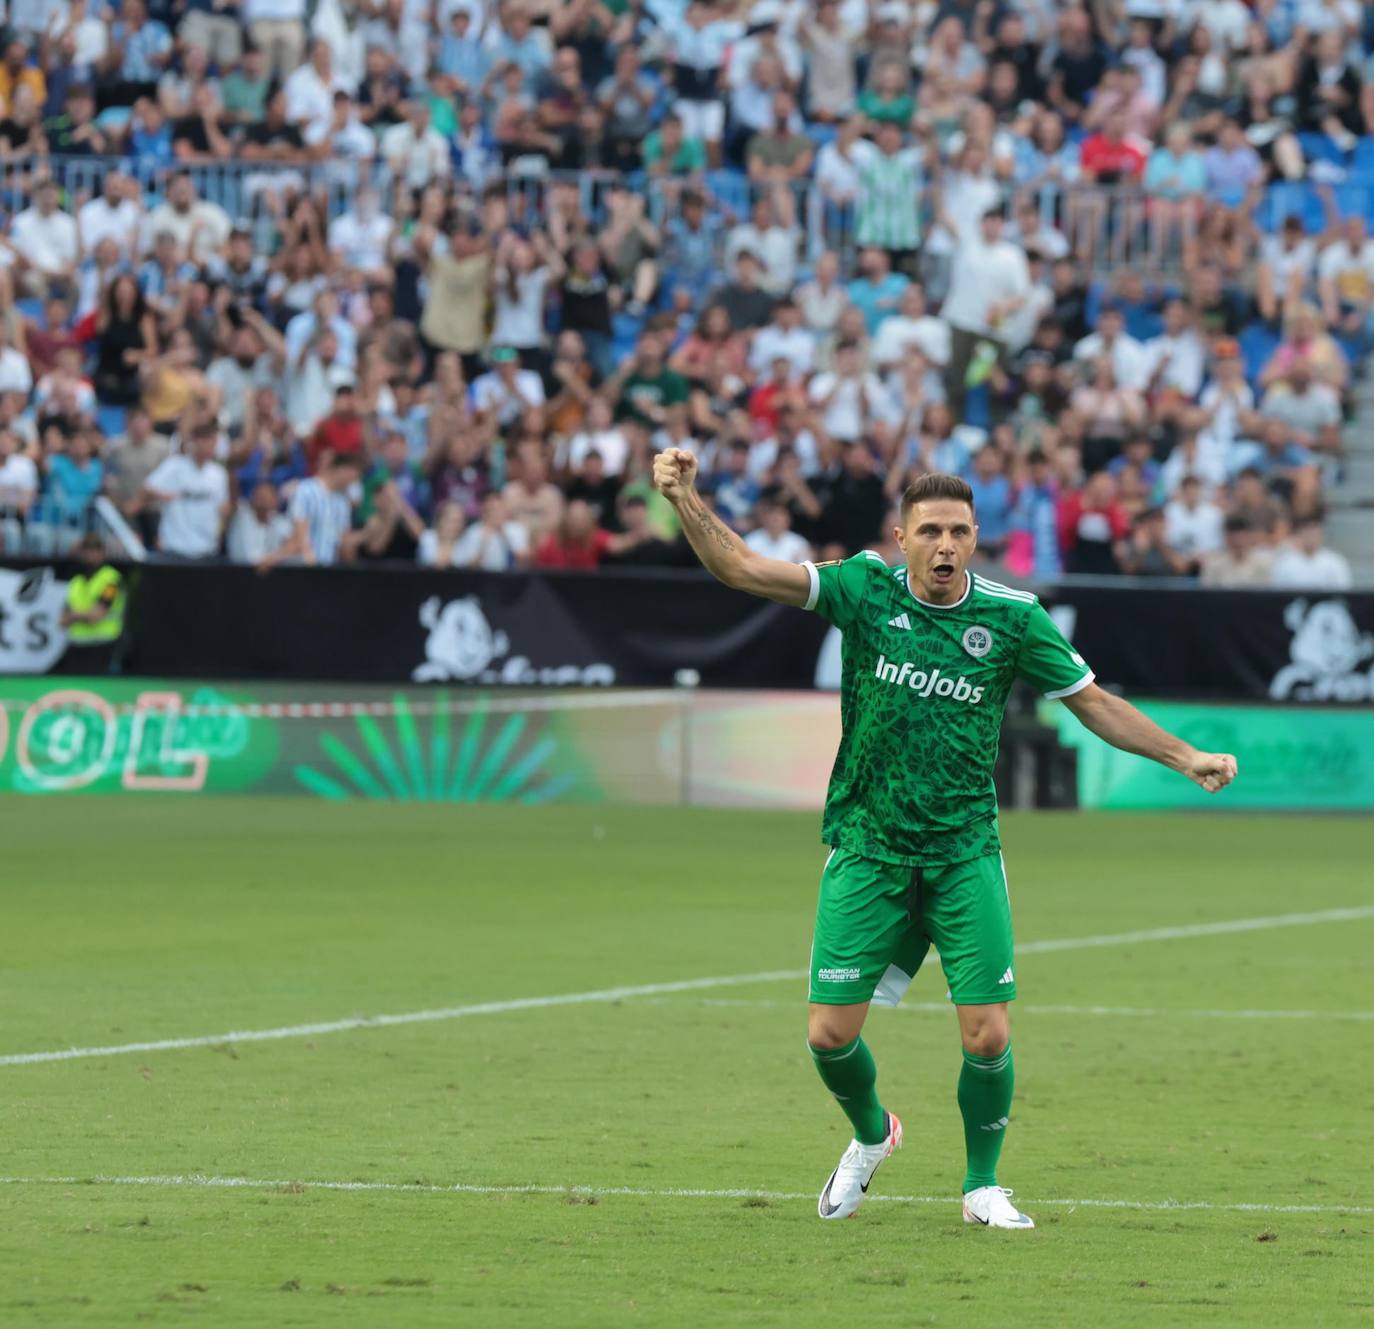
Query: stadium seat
[
  {"x": 110, "y": 420},
  {"x": 1257, "y": 343},
  {"x": 1321, "y": 148}
]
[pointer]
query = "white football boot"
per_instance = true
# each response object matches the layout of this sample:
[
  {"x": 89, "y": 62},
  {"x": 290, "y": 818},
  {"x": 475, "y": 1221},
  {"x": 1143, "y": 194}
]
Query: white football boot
[
  {"x": 848, "y": 1184},
  {"x": 991, "y": 1206}
]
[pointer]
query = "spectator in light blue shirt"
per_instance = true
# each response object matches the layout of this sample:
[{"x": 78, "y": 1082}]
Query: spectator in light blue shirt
[
  {"x": 877, "y": 290},
  {"x": 462, "y": 56},
  {"x": 1034, "y": 536},
  {"x": 1176, "y": 171},
  {"x": 516, "y": 43},
  {"x": 150, "y": 140},
  {"x": 992, "y": 499},
  {"x": 75, "y": 478},
  {"x": 145, "y": 44}
]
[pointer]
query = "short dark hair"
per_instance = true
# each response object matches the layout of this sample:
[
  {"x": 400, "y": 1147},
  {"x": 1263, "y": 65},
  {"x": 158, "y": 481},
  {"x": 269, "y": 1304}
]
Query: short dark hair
[{"x": 936, "y": 486}]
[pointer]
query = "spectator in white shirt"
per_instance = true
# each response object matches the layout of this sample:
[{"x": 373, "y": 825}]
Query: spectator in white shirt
[
  {"x": 772, "y": 234},
  {"x": 1305, "y": 564},
  {"x": 506, "y": 390},
  {"x": 784, "y": 339},
  {"x": 1192, "y": 524},
  {"x": 359, "y": 237},
  {"x": 774, "y": 536},
  {"x": 1345, "y": 280},
  {"x": 493, "y": 543},
  {"x": 200, "y": 228},
  {"x": 1287, "y": 266},
  {"x": 989, "y": 281},
  {"x": 849, "y": 398},
  {"x": 46, "y": 239},
  {"x": 259, "y": 527},
  {"x": 15, "y": 374},
  {"x": 416, "y": 152},
  {"x": 911, "y": 326},
  {"x": 310, "y": 89},
  {"x": 115, "y": 215},
  {"x": 1178, "y": 356},
  {"x": 193, "y": 489},
  {"x": 18, "y": 479},
  {"x": 1130, "y": 362}
]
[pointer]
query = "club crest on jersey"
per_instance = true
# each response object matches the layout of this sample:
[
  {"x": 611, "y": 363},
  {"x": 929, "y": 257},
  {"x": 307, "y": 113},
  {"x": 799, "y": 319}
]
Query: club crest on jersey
[{"x": 977, "y": 641}]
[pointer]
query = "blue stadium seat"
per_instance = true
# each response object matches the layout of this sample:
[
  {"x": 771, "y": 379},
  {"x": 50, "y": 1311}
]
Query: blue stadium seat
[
  {"x": 1321, "y": 148},
  {"x": 1257, "y": 343},
  {"x": 1362, "y": 159},
  {"x": 625, "y": 330},
  {"x": 110, "y": 421}
]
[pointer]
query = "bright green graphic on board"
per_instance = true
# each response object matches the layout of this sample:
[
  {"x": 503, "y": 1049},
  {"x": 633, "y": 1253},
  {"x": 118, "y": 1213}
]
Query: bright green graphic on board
[{"x": 469, "y": 755}]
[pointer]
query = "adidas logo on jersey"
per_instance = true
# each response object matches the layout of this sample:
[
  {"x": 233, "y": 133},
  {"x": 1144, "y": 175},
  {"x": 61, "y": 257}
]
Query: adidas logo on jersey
[
  {"x": 925, "y": 685},
  {"x": 901, "y": 621}
]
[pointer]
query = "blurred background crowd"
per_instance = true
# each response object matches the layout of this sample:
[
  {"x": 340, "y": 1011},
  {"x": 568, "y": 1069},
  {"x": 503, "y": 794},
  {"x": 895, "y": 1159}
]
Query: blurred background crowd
[{"x": 431, "y": 280}]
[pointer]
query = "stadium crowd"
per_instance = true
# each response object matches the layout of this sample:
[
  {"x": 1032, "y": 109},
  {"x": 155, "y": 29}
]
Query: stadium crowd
[{"x": 433, "y": 281}]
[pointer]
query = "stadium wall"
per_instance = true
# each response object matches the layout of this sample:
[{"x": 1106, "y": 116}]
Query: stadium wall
[
  {"x": 686, "y": 746},
  {"x": 405, "y": 626}
]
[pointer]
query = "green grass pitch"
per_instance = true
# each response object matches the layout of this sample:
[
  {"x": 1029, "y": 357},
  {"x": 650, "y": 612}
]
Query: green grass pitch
[{"x": 1233, "y": 1070}]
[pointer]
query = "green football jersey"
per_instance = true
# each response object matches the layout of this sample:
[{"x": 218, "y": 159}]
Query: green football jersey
[{"x": 922, "y": 691}]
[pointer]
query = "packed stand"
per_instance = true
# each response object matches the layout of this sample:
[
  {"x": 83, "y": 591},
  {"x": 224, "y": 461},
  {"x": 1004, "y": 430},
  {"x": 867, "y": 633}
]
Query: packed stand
[{"x": 433, "y": 284}]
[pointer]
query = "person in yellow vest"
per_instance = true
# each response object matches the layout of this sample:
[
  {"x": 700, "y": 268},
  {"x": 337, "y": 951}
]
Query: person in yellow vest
[{"x": 94, "y": 614}]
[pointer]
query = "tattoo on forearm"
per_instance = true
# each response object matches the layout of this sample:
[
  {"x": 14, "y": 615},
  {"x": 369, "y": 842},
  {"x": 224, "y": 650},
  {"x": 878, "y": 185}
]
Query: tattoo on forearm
[{"x": 711, "y": 527}]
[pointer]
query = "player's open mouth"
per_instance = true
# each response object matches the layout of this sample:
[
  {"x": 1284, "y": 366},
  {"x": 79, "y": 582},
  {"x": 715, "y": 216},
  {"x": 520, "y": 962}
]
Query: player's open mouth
[{"x": 942, "y": 572}]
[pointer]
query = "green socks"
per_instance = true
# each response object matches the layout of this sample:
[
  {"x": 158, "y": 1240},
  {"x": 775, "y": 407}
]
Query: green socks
[
  {"x": 851, "y": 1075},
  {"x": 985, "y": 1100}
]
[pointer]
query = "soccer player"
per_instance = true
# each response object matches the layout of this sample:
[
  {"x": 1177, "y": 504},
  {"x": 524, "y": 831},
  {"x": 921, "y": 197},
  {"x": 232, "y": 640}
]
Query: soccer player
[{"x": 930, "y": 652}]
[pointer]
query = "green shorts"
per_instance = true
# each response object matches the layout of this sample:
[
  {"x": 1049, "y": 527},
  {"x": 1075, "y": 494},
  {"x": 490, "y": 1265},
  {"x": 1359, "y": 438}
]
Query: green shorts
[{"x": 876, "y": 921}]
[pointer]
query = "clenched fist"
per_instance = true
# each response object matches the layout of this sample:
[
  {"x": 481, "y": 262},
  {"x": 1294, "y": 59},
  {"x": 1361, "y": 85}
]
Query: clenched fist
[
  {"x": 1212, "y": 770},
  {"x": 675, "y": 471}
]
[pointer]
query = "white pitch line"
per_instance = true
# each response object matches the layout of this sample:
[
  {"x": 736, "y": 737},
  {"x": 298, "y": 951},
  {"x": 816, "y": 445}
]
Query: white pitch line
[
  {"x": 1026, "y": 1008},
  {"x": 1199, "y": 930},
  {"x": 405, "y": 1017},
  {"x": 653, "y": 990},
  {"x": 651, "y": 1193}
]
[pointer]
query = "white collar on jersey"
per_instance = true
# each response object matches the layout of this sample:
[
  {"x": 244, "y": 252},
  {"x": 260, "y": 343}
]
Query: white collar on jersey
[{"x": 968, "y": 590}]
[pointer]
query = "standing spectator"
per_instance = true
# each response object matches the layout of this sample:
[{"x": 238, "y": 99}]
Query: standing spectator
[
  {"x": 1146, "y": 551},
  {"x": 780, "y": 154},
  {"x": 626, "y": 98},
  {"x": 129, "y": 461},
  {"x": 438, "y": 546},
  {"x": 1193, "y": 524},
  {"x": 578, "y": 543},
  {"x": 455, "y": 309},
  {"x": 1092, "y": 523},
  {"x": 887, "y": 207},
  {"x": 192, "y": 489},
  {"x": 199, "y": 227},
  {"x": 530, "y": 498},
  {"x": 126, "y": 337},
  {"x": 521, "y": 279},
  {"x": 989, "y": 282},
  {"x": 277, "y": 28},
  {"x": 340, "y": 433},
  {"x": 322, "y": 514},
  {"x": 1243, "y": 562},
  {"x": 115, "y": 214},
  {"x": 774, "y": 536},
  {"x": 1306, "y": 564},
  {"x": 494, "y": 543},
  {"x": 414, "y": 151},
  {"x": 849, "y": 397},
  {"x": 47, "y": 242},
  {"x": 259, "y": 528},
  {"x": 506, "y": 391}
]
